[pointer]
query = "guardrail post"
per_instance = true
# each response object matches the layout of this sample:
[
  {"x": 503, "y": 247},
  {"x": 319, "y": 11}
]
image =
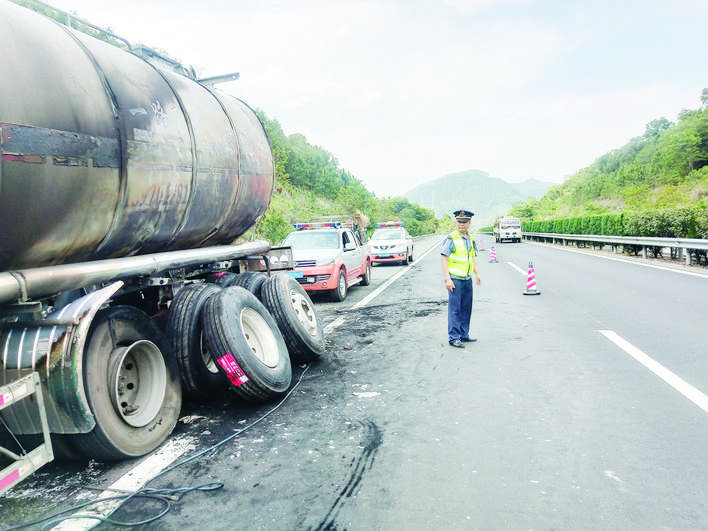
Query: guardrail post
[
  {"x": 688, "y": 256},
  {"x": 644, "y": 251}
]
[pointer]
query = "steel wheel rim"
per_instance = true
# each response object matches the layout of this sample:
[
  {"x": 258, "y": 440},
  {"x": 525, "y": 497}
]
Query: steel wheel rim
[
  {"x": 304, "y": 311},
  {"x": 208, "y": 361},
  {"x": 260, "y": 337},
  {"x": 138, "y": 380}
]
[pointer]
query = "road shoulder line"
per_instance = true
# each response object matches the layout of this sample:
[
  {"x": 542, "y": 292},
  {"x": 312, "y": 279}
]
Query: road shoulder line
[{"x": 626, "y": 261}]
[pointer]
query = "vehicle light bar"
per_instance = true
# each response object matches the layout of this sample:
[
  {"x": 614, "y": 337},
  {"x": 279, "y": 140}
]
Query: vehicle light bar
[
  {"x": 390, "y": 224},
  {"x": 319, "y": 225}
]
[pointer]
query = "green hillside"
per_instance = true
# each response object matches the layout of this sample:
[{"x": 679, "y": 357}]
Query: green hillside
[
  {"x": 487, "y": 196},
  {"x": 664, "y": 169},
  {"x": 310, "y": 182}
]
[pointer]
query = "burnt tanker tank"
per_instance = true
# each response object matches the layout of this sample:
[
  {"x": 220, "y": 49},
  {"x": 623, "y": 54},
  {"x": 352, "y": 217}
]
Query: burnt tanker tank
[
  {"x": 123, "y": 186},
  {"x": 104, "y": 155}
]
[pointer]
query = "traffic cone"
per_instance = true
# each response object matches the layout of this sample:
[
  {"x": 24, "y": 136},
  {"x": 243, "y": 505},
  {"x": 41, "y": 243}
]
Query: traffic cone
[
  {"x": 493, "y": 256},
  {"x": 531, "y": 282},
  {"x": 481, "y": 245}
]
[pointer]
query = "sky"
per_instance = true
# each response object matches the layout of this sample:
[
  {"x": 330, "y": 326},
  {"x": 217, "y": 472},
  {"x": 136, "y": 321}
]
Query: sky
[{"x": 402, "y": 92}]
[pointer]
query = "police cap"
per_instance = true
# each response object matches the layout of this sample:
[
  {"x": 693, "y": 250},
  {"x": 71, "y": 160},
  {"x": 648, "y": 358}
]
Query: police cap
[{"x": 463, "y": 215}]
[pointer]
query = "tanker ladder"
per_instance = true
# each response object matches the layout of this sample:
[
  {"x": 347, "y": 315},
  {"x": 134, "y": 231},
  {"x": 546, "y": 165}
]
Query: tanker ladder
[{"x": 28, "y": 463}]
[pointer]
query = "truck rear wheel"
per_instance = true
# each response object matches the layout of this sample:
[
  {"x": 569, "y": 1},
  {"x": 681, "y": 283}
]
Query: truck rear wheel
[
  {"x": 132, "y": 385},
  {"x": 201, "y": 378},
  {"x": 293, "y": 311},
  {"x": 223, "y": 279},
  {"x": 252, "y": 281},
  {"x": 245, "y": 341}
]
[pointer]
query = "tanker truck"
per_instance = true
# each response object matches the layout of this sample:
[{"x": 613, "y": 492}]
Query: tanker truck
[{"x": 123, "y": 187}]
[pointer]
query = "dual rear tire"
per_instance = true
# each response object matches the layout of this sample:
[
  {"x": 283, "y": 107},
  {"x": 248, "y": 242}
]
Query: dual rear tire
[
  {"x": 134, "y": 375},
  {"x": 296, "y": 317},
  {"x": 245, "y": 342}
]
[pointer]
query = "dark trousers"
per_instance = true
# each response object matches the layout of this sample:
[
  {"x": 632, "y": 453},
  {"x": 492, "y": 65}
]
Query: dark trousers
[{"x": 459, "y": 309}]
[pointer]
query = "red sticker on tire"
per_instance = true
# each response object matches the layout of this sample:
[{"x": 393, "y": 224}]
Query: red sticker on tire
[{"x": 233, "y": 371}]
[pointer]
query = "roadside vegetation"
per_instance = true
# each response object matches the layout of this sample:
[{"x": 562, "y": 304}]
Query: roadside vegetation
[
  {"x": 655, "y": 185},
  {"x": 309, "y": 182}
]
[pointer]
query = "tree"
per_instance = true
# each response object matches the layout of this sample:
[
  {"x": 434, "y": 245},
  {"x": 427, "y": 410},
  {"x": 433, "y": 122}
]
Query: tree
[
  {"x": 278, "y": 145},
  {"x": 656, "y": 127},
  {"x": 523, "y": 210}
]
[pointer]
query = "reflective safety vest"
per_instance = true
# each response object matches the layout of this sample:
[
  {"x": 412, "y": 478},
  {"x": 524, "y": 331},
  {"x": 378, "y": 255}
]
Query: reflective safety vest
[{"x": 461, "y": 262}]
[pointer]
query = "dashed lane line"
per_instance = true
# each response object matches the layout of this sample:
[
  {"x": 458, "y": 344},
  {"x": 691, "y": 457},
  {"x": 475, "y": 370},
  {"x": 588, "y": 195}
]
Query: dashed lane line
[
  {"x": 680, "y": 385},
  {"x": 683, "y": 387},
  {"x": 517, "y": 268}
]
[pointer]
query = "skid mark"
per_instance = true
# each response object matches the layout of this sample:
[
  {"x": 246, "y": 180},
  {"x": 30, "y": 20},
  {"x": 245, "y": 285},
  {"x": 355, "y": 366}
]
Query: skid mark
[{"x": 372, "y": 440}]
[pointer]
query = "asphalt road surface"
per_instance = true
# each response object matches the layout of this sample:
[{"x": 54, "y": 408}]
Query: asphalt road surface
[{"x": 583, "y": 407}]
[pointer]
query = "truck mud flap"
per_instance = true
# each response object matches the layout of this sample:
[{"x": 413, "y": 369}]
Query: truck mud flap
[{"x": 52, "y": 347}]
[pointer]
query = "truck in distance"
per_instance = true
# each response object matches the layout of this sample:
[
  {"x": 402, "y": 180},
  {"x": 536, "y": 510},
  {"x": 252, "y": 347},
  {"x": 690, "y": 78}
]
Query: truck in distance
[{"x": 507, "y": 229}]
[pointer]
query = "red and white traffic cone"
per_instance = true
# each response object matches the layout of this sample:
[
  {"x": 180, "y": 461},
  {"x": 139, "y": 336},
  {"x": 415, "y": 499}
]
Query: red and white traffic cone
[
  {"x": 531, "y": 282},
  {"x": 493, "y": 256},
  {"x": 481, "y": 245}
]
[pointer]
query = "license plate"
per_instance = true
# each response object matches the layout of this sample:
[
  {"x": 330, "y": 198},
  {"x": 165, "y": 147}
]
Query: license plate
[
  {"x": 385, "y": 255},
  {"x": 295, "y": 274}
]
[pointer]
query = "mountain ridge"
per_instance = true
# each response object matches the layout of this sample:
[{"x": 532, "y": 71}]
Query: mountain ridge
[{"x": 488, "y": 197}]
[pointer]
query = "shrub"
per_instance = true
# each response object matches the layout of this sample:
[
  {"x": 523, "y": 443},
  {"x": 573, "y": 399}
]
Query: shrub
[{"x": 678, "y": 222}]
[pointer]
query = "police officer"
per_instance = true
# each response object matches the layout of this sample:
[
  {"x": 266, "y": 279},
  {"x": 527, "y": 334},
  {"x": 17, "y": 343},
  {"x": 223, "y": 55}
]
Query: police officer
[{"x": 457, "y": 258}]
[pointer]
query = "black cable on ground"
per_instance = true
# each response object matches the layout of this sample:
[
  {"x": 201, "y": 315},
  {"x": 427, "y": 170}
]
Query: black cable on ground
[{"x": 164, "y": 496}]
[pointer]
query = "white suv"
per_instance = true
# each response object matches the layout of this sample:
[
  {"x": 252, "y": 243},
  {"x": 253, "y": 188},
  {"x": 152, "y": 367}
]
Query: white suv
[{"x": 391, "y": 242}]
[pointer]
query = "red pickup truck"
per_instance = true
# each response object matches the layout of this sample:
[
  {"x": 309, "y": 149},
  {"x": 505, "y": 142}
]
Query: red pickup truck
[{"x": 329, "y": 256}]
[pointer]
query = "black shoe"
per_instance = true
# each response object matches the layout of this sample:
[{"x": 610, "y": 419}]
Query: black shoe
[
  {"x": 457, "y": 343},
  {"x": 468, "y": 339}
]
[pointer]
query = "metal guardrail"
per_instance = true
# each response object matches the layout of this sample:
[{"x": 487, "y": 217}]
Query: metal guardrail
[
  {"x": 26, "y": 464},
  {"x": 685, "y": 245}
]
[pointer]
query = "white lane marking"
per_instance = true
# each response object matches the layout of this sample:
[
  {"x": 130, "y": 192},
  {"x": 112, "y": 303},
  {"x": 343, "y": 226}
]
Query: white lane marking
[
  {"x": 371, "y": 296},
  {"x": 339, "y": 321},
  {"x": 518, "y": 268},
  {"x": 128, "y": 483},
  {"x": 653, "y": 266},
  {"x": 683, "y": 387},
  {"x": 150, "y": 466}
]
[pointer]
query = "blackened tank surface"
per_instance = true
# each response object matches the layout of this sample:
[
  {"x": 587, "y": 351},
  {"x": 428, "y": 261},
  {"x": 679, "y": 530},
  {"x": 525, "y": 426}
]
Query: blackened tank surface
[{"x": 104, "y": 155}]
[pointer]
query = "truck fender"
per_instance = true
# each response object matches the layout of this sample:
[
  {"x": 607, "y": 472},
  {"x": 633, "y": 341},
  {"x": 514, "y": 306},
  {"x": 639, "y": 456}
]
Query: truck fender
[{"x": 54, "y": 348}]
